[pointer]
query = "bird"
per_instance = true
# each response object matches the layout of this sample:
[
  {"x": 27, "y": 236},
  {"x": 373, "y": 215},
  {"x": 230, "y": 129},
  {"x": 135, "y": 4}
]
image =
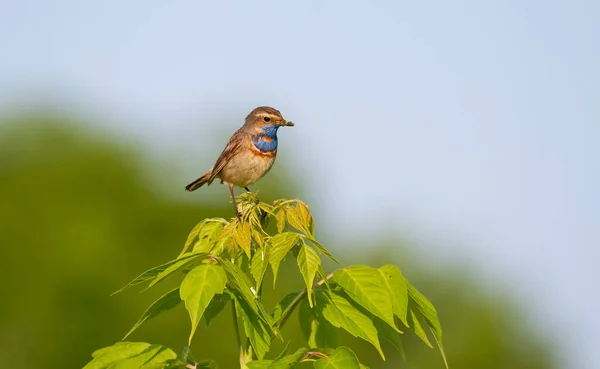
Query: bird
[{"x": 249, "y": 154}]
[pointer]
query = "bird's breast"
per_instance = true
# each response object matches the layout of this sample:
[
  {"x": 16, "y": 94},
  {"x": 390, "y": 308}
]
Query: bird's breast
[{"x": 248, "y": 166}]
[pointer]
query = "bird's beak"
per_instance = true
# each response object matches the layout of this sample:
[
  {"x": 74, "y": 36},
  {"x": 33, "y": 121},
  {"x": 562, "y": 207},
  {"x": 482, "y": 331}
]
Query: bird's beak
[{"x": 287, "y": 123}]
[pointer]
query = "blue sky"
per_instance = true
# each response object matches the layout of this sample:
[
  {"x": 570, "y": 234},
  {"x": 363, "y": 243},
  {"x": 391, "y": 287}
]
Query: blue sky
[{"x": 470, "y": 121}]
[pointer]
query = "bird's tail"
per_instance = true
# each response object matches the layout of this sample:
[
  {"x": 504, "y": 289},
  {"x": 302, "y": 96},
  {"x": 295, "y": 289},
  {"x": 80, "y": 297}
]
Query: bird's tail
[{"x": 198, "y": 183}]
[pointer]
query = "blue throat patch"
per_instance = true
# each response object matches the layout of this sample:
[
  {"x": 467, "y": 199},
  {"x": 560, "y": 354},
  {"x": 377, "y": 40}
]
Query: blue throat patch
[{"x": 268, "y": 132}]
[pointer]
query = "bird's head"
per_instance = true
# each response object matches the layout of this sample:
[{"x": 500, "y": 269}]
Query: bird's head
[{"x": 265, "y": 116}]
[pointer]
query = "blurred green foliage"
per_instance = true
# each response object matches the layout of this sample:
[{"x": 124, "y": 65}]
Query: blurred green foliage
[{"x": 81, "y": 214}]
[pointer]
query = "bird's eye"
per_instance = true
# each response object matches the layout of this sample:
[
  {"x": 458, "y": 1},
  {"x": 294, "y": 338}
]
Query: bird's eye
[{"x": 267, "y": 119}]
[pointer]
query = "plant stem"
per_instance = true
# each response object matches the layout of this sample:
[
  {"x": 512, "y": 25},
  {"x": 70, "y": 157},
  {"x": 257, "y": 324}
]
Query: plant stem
[{"x": 297, "y": 300}]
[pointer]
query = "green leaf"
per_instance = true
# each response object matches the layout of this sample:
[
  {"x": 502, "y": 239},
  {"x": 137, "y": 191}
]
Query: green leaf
[
  {"x": 198, "y": 289},
  {"x": 439, "y": 345},
  {"x": 192, "y": 236},
  {"x": 419, "y": 331},
  {"x": 148, "y": 275},
  {"x": 259, "y": 266},
  {"x": 323, "y": 250},
  {"x": 165, "y": 303},
  {"x": 225, "y": 239},
  {"x": 308, "y": 263},
  {"x": 342, "y": 358},
  {"x": 306, "y": 318},
  {"x": 294, "y": 219},
  {"x": 396, "y": 285},
  {"x": 259, "y": 237},
  {"x": 208, "y": 235},
  {"x": 428, "y": 310},
  {"x": 181, "y": 263},
  {"x": 242, "y": 237},
  {"x": 281, "y": 244},
  {"x": 289, "y": 361},
  {"x": 280, "y": 219},
  {"x": 389, "y": 334},
  {"x": 305, "y": 216},
  {"x": 215, "y": 307},
  {"x": 240, "y": 281},
  {"x": 316, "y": 329},
  {"x": 256, "y": 330},
  {"x": 366, "y": 286},
  {"x": 342, "y": 314},
  {"x": 124, "y": 355}
]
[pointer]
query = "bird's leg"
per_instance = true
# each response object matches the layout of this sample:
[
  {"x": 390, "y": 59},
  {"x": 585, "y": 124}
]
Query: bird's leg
[
  {"x": 247, "y": 189},
  {"x": 237, "y": 213}
]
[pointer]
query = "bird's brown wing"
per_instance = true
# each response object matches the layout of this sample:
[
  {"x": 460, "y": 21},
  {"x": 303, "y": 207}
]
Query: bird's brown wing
[{"x": 234, "y": 146}]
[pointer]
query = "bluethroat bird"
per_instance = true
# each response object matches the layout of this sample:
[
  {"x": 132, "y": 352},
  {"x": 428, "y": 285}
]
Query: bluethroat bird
[{"x": 249, "y": 154}]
